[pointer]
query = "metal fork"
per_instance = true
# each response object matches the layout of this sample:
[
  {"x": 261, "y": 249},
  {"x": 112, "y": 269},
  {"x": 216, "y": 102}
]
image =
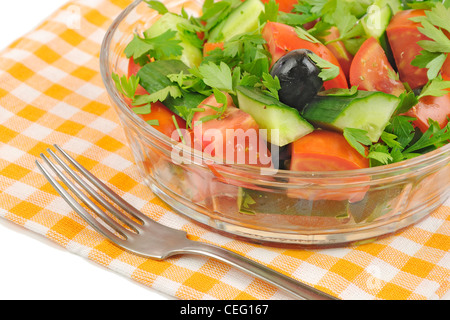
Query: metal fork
[{"x": 147, "y": 238}]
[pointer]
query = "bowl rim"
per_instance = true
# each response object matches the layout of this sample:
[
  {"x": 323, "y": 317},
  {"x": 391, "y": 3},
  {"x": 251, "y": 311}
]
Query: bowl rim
[{"x": 439, "y": 155}]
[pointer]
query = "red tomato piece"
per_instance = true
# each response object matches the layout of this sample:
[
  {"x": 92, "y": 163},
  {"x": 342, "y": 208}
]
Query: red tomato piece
[
  {"x": 133, "y": 67},
  {"x": 164, "y": 116},
  {"x": 210, "y": 46},
  {"x": 371, "y": 71},
  {"x": 436, "y": 108},
  {"x": 284, "y": 5},
  {"x": 282, "y": 38},
  {"x": 338, "y": 49},
  {"x": 403, "y": 35},
  {"x": 324, "y": 150},
  {"x": 430, "y": 107},
  {"x": 234, "y": 137}
]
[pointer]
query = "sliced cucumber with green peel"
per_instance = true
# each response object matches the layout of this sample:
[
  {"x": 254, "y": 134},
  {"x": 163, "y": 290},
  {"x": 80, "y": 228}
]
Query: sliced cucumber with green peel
[
  {"x": 245, "y": 18},
  {"x": 253, "y": 202},
  {"x": 271, "y": 114},
  {"x": 366, "y": 110},
  {"x": 153, "y": 78},
  {"x": 376, "y": 20},
  {"x": 191, "y": 56}
]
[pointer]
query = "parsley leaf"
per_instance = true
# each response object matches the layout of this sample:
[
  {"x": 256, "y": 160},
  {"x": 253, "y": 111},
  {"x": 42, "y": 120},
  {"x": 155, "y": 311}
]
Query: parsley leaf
[
  {"x": 433, "y": 137},
  {"x": 379, "y": 154},
  {"x": 407, "y": 101},
  {"x": 272, "y": 85},
  {"x": 328, "y": 70},
  {"x": 270, "y": 12},
  {"x": 305, "y": 35},
  {"x": 402, "y": 127},
  {"x": 436, "y": 87},
  {"x": 217, "y": 76},
  {"x": 160, "y": 95},
  {"x": 436, "y": 49},
  {"x": 357, "y": 138},
  {"x": 162, "y": 46},
  {"x": 157, "y": 5},
  {"x": 126, "y": 86}
]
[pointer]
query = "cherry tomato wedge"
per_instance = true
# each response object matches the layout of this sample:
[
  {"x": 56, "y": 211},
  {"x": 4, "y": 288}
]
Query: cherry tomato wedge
[
  {"x": 436, "y": 108},
  {"x": 403, "y": 35},
  {"x": 282, "y": 38},
  {"x": 324, "y": 150},
  {"x": 234, "y": 137},
  {"x": 371, "y": 71},
  {"x": 331, "y": 147},
  {"x": 430, "y": 107}
]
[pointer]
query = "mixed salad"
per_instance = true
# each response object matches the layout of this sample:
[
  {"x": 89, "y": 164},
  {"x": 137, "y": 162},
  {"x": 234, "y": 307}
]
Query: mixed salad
[{"x": 346, "y": 84}]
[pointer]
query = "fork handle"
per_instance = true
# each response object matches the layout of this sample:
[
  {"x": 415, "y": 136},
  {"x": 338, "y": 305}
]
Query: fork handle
[{"x": 293, "y": 287}]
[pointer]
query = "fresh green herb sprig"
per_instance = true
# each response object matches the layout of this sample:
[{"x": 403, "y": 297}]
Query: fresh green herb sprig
[
  {"x": 328, "y": 71},
  {"x": 400, "y": 141},
  {"x": 435, "y": 50},
  {"x": 162, "y": 46}
]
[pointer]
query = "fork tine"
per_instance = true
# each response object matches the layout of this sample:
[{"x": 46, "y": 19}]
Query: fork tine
[
  {"x": 78, "y": 208},
  {"x": 104, "y": 188},
  {"x": 124, "y": 219},
  {"x": 114, "y": 225}
]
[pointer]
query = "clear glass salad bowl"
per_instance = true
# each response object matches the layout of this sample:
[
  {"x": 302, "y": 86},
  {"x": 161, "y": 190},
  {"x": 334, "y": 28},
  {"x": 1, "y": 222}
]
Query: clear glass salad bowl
[{"x": 283, "y": 207}]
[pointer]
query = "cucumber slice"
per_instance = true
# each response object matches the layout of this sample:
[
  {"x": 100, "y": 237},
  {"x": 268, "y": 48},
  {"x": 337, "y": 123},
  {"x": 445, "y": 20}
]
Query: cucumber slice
[
  {"x": 254, "y": 202},
  {"x": 376, "y": 20},
  {"x": 271, "y": 114},
  {"x": 366, "y": 110},
  {"x": 245, "y": 18},
  {"x": 191, "y": 56},
  {"x": 153, "y": 78}
]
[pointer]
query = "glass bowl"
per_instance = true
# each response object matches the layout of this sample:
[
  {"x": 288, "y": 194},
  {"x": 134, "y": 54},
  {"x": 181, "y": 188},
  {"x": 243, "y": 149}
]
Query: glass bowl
[{"x": 282, "y": 207}]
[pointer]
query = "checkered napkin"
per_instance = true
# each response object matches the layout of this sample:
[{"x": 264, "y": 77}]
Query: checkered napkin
[{"x": 51, "y": 92}]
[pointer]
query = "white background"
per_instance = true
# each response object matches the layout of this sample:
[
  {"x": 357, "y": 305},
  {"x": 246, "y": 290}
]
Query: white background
[{"x": 32, "y": 267}]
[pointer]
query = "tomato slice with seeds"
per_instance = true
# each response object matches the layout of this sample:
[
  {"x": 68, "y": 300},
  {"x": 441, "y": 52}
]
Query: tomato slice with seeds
[
  {"x": 403, "y": 35},
  {"x": 233, "y": 137},
  {"x": 371, "y": 71}
]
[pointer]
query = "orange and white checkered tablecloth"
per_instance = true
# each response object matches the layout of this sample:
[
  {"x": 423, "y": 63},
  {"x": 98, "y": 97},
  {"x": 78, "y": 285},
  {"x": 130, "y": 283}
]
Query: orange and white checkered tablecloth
[{"x": 51, "y": 92}]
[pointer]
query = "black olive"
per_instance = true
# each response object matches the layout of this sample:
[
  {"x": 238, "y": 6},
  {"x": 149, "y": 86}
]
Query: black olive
[{"x": 299, "y": 78}]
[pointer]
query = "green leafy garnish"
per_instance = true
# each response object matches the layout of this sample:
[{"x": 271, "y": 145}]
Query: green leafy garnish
[
  {"x": 305, "y": 35},
  {"x": 436, "y": 21},
  {"x": 162, "y": 46},
  {"x": 222, "y": 101},
  {"x": 436, "y": 87},
  {"x": 357, "y": 138},
  {"x": 270, "y": 12},
  {"x": 126, "y": 86},
  {"x": 271, "y": 85},
  {"x": 328, "y": 70},
  {"x": 434, "y": 137},
  {"x": 153, "y": 122},
  {"x": 217, "y": 76},
  {"x": 161, "y": 95}
]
